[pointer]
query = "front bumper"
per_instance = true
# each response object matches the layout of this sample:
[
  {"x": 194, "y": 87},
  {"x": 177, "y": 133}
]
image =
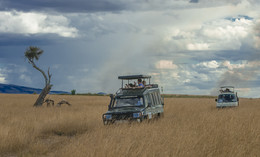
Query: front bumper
[
  {"x": 121, "y": 117},
  {"x": 229, "y": 104}
]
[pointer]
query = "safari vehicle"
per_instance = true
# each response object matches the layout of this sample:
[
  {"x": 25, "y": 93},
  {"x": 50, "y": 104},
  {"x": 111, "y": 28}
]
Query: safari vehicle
[
  {"x": 133, "y": 103},
  {"x": 227, "y": 97}
]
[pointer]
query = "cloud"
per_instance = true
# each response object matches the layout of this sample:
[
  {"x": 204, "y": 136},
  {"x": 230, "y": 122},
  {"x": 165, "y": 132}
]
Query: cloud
[
  {"x": 233, "y": 66},
  {"x": 211, "y": 64},
  {"x": 197, "y": 46},
  {"x": 188, "y": 78},
  {"x": 25, "y": 78},
  {"x": 213, "y": 35},
  {"x": 20, "y": 75},
  {"x": 257, "y": 35},
  {"x": 225, "y": 34},
  {"x": 241, "y": 75},
  {"x": 2, "y": 76},
  {"x": 203, "y": 76},
  {"x": 194, "y": 1},
  {"x": 2, "y": 79},
  {"x": 188, "y": 47},
  {"x": 15, "y": 22},
  {"x": 63, "y": 6},
  {"x": 165, "y": 64},
  {"x": 90, "y": 6}
]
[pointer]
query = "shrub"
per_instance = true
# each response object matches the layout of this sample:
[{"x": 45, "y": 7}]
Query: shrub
[{"x": 73, "y": 92}]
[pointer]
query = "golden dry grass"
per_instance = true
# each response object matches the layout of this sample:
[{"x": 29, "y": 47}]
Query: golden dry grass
[{"x": 190, "y": 127}]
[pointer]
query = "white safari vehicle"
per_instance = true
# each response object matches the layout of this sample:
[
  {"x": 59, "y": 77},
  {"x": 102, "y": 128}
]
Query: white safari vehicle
[{"x": 227, "y": 97}]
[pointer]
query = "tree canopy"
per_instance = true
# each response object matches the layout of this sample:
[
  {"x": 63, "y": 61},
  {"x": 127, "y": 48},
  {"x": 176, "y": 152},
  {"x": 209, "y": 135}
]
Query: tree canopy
[{"x": 32, "y": 53}]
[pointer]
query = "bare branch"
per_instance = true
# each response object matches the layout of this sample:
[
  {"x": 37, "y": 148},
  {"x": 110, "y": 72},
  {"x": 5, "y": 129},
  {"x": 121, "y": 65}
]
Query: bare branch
[
  {"x": 49, "y": 76},
  {"x": 43, "y": 73}
]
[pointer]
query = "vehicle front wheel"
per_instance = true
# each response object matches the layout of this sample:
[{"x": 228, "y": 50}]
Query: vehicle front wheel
[
  {"x": 140, "y": 120},
  {"x": 105, "y": 122}
]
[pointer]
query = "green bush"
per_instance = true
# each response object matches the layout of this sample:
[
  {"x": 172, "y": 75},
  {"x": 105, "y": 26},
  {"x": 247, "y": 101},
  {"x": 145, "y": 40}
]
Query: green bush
[{"x": 73, "y": 92}]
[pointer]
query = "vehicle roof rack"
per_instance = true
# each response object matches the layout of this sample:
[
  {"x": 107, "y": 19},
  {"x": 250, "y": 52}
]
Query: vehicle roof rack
[
  {"x": 131, "y": 77},
  {"x": 227, "y": 89}
]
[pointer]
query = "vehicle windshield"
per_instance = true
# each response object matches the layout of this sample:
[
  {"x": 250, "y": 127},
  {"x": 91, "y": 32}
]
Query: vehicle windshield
[
  {"x": 128, "y": 101},
  {"x": 227, "y": 98}
]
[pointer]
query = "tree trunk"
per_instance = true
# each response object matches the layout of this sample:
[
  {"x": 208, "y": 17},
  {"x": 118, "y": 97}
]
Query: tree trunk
[{"x": 42, "y": 96}]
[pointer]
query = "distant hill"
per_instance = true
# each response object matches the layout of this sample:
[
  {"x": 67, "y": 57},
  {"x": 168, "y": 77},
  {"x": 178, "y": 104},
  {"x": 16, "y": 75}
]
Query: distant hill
[
  {"x": 101, "y": 93},
  {"x": 15, "y": 89}
]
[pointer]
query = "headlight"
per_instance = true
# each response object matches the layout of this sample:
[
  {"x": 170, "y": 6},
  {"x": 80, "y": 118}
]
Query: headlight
[
  {"x": 137, "y": 115},
  {"x": 108, "y": 116}
]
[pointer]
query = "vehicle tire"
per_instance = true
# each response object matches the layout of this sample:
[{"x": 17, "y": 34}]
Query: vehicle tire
[
  {"x": 161, "y": 115},
  {"x": 105, "y": 122},
  {"x": 139, "y": 120}
]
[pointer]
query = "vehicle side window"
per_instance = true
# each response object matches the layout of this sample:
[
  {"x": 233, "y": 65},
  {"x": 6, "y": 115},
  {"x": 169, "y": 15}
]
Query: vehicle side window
[
  {"x": 155, "y": 99},
  {"x": 159, "y": 98},
  {"x": 152, "y": 99},
  {"x": 147, "y": 100}
]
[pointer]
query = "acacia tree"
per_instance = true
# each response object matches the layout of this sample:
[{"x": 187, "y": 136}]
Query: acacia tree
[{"x": 33, "y": 53}]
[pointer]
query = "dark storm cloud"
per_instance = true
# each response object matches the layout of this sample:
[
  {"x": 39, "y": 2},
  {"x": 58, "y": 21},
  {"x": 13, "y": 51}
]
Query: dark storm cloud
[
  {"x": 13, "y": 46},
  {"x": 77, "y": 6},
  {"x": 62, "y": 5},
  {"x": 102, "y": 45},
  {"x": 194, "y": 1},
  {"x": 245, "y": 53},
  {"x": 240, "y": 77},
  {"x": 7, "y": 39}
]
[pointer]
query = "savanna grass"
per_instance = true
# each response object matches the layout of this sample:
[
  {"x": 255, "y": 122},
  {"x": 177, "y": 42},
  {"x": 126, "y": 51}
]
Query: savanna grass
[{"x": 190, "y": 127}]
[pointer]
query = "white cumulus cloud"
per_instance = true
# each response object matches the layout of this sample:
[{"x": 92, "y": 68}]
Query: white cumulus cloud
[
  {"x": 210, "y": 64},
  {"x": 232, "y": 66},
  {"x": 165, "y": 64},
  {"x": 198, "y": 46},
  {"x": 2, "y": 77},
  {"x": 35, "y": 23}
]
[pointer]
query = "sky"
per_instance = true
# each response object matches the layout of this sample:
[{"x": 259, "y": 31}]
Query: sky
[{"x": 187, "y": 46}]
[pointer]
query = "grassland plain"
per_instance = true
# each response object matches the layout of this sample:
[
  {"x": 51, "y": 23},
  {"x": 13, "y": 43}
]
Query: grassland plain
[{"x": 190, "y": 127}]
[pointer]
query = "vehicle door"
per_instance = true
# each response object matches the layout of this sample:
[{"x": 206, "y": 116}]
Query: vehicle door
[
  {"x": 158, "y": 102},
  {"x": 150, "y": 105}
]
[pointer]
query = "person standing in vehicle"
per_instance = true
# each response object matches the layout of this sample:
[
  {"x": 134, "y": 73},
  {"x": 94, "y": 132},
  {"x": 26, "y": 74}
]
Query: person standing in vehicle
[
  {"x": 140, "y": 84},
  {"x": 144, "y": 83}
]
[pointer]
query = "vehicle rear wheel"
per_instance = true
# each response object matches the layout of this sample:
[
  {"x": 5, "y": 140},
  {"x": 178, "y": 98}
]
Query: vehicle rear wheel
[{"x": 160, "y": 115}]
